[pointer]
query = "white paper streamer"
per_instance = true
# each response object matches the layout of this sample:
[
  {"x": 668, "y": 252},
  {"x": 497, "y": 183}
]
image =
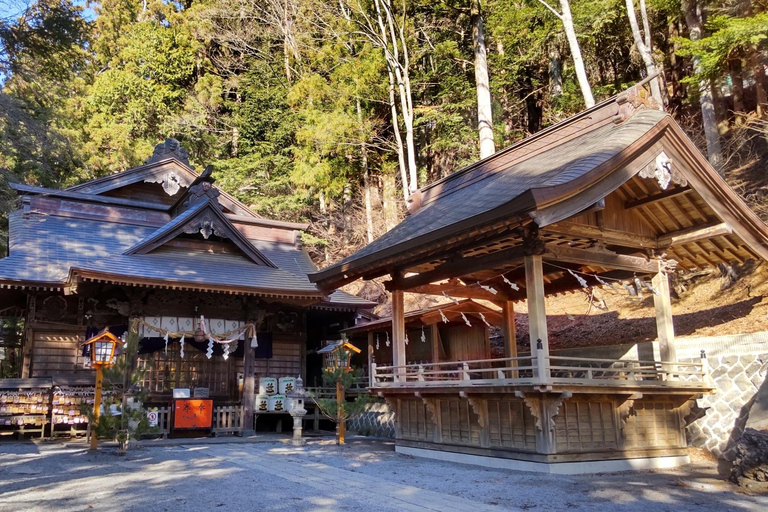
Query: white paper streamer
[
  {"x": 455, "y": 301},
  {"x": 377, "y": 342},
  {"x": 181, "y": 352},
  {"x": 166, "y": 343},
  {"x": 423, "y": 337},
  {"x": 209, "y": 352},
  {"x": 445, "y": 320},
  {"x": 466, "y": 320},
  {"x": 580, "y": 279},
  {"x": 511, "y": 284},
  {"x": 488, "y": 288},
  {"x": 387, "y": 340},
  {"x": 605, "y": 283},
  {"x": 482, "y": 317},
  {"x": 406, "y": 338}
]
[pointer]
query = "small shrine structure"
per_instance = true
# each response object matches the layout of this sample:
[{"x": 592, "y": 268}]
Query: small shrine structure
[
  {"x": 218, "y": 295},
  {"x": 615, "y": 194}
]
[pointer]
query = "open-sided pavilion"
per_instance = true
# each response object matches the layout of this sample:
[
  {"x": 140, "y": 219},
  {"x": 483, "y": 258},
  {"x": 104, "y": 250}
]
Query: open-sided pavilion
[{"x": 618, "y": 192}]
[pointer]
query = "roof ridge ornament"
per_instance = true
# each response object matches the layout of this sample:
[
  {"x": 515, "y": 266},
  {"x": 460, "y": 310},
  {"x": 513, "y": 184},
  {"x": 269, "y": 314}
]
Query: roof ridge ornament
[
  {"x": 169, "y": 148},
  {"x": 662, "y": 170}
]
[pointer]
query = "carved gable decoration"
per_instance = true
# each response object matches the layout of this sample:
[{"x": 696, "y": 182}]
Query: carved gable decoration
[
  {"x": 171, "y": 182},
  {"x": 206, "y": 219},
  {"x": 664, "y": 172}
]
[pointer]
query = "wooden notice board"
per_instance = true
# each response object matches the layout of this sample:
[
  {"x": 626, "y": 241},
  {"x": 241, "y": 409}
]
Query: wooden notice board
[{"x": 192, "y": 413}]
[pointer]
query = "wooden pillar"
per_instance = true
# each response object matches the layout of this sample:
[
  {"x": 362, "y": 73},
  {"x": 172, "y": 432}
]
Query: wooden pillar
[
  {"x": 664, "y": 326},
  {"x": 371, "y": 358},
  {"x": 249, "y": 386},
  {"x": 434, "y": 334},
  {"x": 509, "y": 328},
  {"x": 398, "y": 331},
  {"x": 537, "y": 313}
]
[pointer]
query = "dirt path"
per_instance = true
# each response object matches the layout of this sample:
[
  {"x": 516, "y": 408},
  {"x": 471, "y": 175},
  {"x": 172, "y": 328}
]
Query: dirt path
[{"x": 366, "y": 475}]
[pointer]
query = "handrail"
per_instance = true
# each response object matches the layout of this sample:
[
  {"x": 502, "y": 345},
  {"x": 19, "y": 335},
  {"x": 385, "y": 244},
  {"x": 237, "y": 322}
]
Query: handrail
[{"x": 540, "y": 370}]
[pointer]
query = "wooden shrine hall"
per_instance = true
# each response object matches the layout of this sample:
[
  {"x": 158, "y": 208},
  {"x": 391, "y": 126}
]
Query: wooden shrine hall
[
  {"x": 163, "y": 248},
  {"x": 615, "y": 193}
]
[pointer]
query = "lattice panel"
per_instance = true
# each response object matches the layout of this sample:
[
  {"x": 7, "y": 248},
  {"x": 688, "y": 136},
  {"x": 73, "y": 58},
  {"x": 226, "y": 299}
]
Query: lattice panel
[
  {"x": 458, "y": 423},
  {"x": 582, "y": 426},
  {"x": 415, "y": 420},
  {"x": 653, "y": 424},
  {"x": 511, "y": 425}
]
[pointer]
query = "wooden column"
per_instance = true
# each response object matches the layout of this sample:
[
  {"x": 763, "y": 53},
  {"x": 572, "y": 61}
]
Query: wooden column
[
  {"x": 371, "y": 358},
  {"x": 249, "y": 386},
  {"x": 664, "y": 326},
  {"x": 398, "y": 330},
  {"x": 434, "y": 334},
  {"x": 537, "y": 313},
  {"x": 509, "y": 328}
]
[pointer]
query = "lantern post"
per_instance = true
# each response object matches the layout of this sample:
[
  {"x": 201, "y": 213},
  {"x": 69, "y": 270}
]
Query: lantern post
[
  {"x": 102, "y": 347},
  {"x": 338, "y": 359}
]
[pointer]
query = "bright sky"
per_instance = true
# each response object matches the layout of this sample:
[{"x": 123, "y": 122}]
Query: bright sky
[{"x": 10, "y": 9}]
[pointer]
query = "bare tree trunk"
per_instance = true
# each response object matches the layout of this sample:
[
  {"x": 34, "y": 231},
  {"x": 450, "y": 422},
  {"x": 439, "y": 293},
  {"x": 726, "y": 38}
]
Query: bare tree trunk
[
  {"x": 644, "y": 46},
  {"x": 555, "y": 71},
  {"x": 366, "y": 175},
  {"x": 693, "y": 17},
  {"x": 286, "y": 43},
  {"x": 391, "y": 67},
  {"x": 346, "y": 207},
  {"x": 757, "y": 63},
  {"x": 578, "y": 62},
  {"x": 737, "y": 82},
  {"x": 482, "y": 83}
]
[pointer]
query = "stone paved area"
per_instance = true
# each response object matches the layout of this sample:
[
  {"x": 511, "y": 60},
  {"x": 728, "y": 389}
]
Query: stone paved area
[{"x": 365, "y": 475}]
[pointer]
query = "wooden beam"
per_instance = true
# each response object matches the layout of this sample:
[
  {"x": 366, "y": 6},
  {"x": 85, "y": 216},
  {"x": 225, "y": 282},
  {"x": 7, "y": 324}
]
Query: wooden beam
[
  {"x": 694, "y": 234},
  {"x": 460, "y": 291},
  {"x": 600, "y": 259},
  {"x": 537, "y": 313},
  {"x": 656, "y": 197},
  {"x": 398, "y": 330},
  {"x": 664, "y": 325},
  {"x": 604, "y": 235},
  {"x": 457, "y": 268}
]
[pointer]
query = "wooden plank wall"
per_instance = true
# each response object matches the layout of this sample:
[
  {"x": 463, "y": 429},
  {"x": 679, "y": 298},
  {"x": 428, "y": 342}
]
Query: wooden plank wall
[
  {"x": 464, "y": 343},
  {"x": 415, "y": 420},
  {"x": 584, "y": 426},
  {"x": 286, "y": 359},
  {"x": 511, "y": 425},
  {"x": 55, "y": 352},
  {"x": 653, "y": 424}
]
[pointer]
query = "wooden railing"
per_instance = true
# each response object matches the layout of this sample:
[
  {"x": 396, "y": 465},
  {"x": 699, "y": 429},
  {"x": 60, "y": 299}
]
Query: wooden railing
[
  {"x": 227, "y": 419},
  {"x": 544, "y": 370}
]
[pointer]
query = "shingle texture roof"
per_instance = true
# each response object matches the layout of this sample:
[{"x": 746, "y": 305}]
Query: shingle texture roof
[
  {"x": 508, "y": 174},
  {"x": 43, "y": 249}
]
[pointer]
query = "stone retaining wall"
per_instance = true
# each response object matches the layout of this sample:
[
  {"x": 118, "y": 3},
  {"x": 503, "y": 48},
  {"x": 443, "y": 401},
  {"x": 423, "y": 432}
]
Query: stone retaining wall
[{"x": 377, "y": 420}]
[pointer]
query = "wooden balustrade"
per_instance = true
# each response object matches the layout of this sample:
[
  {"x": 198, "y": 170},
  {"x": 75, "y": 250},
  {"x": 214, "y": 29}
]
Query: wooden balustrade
[{"x": 543, "y": 370}]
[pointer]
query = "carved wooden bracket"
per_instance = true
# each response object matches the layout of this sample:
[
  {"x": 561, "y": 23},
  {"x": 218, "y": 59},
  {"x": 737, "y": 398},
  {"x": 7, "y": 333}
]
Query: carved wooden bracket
[
  {"x": 431, "y": 405},
  {"x": 534, "y": 405},
  {"x": 477, "y": 406},
  {"x": 553, "y": 408},
  {"x": 627, "y": 409}
]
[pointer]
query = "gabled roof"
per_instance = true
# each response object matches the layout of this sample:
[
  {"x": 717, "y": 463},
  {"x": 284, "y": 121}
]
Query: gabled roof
[
  {"x": 159, "y": 171},
  {"x": 553, "y": 175},
  {"x": 204, "y": 217}
]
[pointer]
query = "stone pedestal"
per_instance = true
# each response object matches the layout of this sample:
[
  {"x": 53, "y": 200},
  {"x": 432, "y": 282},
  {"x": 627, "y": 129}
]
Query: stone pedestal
[{"x": 298, "y": 414}]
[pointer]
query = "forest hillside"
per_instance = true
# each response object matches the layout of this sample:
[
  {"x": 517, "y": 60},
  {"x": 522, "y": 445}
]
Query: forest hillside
[{"x": 334, "y": 112}]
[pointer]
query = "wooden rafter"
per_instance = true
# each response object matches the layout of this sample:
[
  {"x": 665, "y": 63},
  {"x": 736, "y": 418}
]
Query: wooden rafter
[{"x": 656, "y": 197}]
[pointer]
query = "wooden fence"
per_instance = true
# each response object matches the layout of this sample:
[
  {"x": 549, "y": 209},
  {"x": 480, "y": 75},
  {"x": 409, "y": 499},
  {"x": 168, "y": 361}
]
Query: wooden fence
[{"x": 544, "y": 370}]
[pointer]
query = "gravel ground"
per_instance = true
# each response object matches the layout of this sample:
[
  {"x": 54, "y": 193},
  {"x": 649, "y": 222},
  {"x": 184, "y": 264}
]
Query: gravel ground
[{"x": 364, "y": 475}]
